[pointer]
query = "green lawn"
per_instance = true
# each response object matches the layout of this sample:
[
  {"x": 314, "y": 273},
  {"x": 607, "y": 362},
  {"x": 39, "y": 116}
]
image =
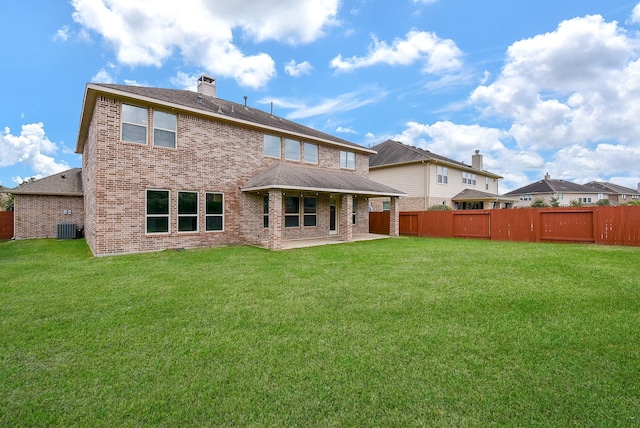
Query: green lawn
[{"x": 397, "y": 332}]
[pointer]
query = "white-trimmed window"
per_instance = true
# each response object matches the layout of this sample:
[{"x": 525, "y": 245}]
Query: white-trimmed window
[
  {"x": 214, "y": 212},
  {"x": 291, "y": 211},
  {"x": 157, "y": 212},
  {"x": 187, "y": 211},
  {"x": 164, "y": 129},
  {"x": 265, "y": 209},
  {"x": 272, "y": 146},
  {"x": 468, "y": 178},
  {"x": 134, "y": 124},
  {"x": 386, "y": 206},
  {"x": 354, "y": 210},
  {"x": 486, "y": 183},
  {"x": 310, "y": 153},
  {"x": 443, "y": 175},
  {"x": 347, "y": 160},
  {"x": 310, "y": 212},
  {"x": 292, "y": 150}
]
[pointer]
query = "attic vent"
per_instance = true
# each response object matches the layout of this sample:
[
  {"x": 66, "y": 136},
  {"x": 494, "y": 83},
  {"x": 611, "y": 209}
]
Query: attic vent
[{"x": 66, "y": 230}]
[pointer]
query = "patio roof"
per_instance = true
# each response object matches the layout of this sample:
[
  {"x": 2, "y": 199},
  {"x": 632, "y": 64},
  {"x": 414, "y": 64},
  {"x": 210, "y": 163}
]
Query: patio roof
[
  {"x": 314, "y": 179},
  {"x": 476, "y": 195}
]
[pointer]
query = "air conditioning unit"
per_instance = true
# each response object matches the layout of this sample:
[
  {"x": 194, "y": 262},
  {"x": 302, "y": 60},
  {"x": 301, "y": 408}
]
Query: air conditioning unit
[{"x": 66, "y": 230}]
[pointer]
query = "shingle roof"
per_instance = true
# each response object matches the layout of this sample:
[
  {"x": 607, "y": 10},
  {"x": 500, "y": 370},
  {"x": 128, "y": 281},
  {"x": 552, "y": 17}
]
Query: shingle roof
[
  {"x": 602, "y": 187},
  {"x": 305, "y": 178},
  {"x": 65, "y": 183},
  {"x": 393, "y": 152},
  {"x": 215, "y": 107},
  {"x": 552, "y": 186},
  {"x": 477, "y": 195}
]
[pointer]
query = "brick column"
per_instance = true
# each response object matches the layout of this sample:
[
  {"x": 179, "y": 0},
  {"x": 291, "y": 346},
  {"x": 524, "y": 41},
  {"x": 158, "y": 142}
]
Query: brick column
[
  {"x": 346, "y": 213},
  {"x": 394, "y": 214},
  {"x": 275, "y": 219}
]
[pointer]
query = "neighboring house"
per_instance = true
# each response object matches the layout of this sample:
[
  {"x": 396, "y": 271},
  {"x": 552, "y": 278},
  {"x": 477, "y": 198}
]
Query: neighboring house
[
  {"x": 165, "y": 168},
  {"x": 429, "y": 179},
  {"x": 615, "y": 193},
  {"x": 565, "y": 192},
  {"x": 40, "y": 205},
  {"x": 4, "y": 198}
]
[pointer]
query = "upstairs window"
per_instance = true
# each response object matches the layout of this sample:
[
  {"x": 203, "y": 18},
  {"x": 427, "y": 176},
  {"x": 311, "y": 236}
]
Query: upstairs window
[
  {"x": 157, "y": 211},
  {"x": 310, "y": 153},
  {"x": 214, "y": 212},
  {"x": 443, "y": 175},
  {"x": 486, "y": 183},
  {"x": 187, "y": 211},
  {"x": 272, "y": 146},
  {"x": 134, "y": 124},
  {"x": 347, "y": 160},
  {"x": 164, "y": 129},
  {"x": 292, "y": 150}
]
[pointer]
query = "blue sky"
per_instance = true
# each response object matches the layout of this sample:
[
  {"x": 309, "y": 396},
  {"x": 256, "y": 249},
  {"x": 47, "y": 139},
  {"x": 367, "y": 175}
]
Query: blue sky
[{"x": 537, "y": 86}]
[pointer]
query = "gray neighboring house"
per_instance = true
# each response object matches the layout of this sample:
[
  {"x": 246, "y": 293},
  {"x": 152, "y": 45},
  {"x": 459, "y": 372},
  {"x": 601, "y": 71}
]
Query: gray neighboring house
[
  {"x": 39, "y": 206},
  {"x": 615, "y": 193},
  {"x": 564, "y": 191}
]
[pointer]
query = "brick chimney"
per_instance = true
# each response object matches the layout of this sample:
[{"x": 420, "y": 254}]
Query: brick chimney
[
  {"x": 476, "y": 160},
  {"x": 207, "y": 86}
]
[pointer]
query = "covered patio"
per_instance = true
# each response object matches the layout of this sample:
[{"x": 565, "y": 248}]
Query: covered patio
[{"x": 336, "y": 199}]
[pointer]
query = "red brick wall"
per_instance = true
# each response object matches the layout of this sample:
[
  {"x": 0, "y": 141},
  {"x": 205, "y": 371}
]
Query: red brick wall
[
  {"x": 211, "y": 156},
  {"x": 38, "y": 216}
]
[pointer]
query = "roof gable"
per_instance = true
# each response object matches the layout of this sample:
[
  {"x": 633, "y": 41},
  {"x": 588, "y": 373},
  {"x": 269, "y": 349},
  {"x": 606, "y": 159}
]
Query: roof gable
[{"x": 65, "y": 183}]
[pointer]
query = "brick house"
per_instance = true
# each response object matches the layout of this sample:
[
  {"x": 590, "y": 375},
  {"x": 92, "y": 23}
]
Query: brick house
[
  {"x": 615, "y": 193},
  {"x": 430, "y": 179},
  {"x": 166, "y": 168},
  {"x": 40, "y": 205}
]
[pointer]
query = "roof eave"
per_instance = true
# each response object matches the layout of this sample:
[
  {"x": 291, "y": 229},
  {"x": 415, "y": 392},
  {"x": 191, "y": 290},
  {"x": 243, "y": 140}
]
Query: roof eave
[
  {"x": 438, "y": 161},
  {"x": 92, "y": 91},
  {"x": 319, "y": 189}
]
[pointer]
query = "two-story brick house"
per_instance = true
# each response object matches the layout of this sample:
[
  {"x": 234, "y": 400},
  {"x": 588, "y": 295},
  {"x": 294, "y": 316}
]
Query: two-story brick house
[{"x": 166, "y": 168}]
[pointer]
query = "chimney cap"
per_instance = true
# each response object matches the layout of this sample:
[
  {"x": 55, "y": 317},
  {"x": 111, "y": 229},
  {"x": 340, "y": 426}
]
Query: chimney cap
[{"x": 205, "y": 78}]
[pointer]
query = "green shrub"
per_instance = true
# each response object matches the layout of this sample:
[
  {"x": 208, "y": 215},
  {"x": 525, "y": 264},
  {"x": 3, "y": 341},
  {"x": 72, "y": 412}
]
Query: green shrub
[{"x": 439, "y": 208}]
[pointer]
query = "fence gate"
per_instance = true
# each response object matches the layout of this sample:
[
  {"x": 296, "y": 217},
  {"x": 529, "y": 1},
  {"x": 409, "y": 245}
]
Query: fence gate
[{"x": 6, "y": 224}]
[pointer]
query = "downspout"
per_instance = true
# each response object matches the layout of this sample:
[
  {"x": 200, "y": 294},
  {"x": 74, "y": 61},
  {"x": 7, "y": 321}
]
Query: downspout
[{"x": 426, "y": 183}]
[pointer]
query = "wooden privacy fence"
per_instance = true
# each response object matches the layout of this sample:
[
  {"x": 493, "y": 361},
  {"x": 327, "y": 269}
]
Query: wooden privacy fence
[
  {"x": 600, "y": 225},
  {"x": 6, "y": 224}
]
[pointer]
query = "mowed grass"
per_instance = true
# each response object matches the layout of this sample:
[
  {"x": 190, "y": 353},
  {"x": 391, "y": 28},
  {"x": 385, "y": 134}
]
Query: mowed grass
[{"x": 397, "y": 332}]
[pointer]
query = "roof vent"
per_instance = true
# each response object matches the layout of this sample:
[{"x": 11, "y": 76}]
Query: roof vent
[{"x": 207, "y": 86}]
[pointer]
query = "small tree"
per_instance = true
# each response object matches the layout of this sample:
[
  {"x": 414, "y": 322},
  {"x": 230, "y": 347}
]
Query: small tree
[
  {"x": 575, "y": 203},
  {"x": 555, "y": 202},
  {"x": 603, "y": 203},
  {"x": 539, "y": 203},
  {"x": 440, "y": 207}
]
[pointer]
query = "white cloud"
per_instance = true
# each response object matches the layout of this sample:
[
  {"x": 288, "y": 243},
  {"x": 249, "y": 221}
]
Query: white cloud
[
  {"x": 32, "y": 148},
  {"x": 342, "y": 103},
  {"x": 105, "y": 75},
  {"x": 345, "y": 130},
  {"x": 438, "y": 55},
  {"x": 146, "y": 32},
  {"x": 297, "y": 69},
  {"x": 425, "y": 1},
  {"x": 62, "y": 34},
  {"x": 635, "y": 14},
  {"x": 579, "y": 83}
]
